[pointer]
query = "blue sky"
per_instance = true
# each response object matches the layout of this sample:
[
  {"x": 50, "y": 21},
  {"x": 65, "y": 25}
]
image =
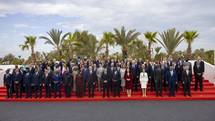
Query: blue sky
[{"x": 19, "y": 18}]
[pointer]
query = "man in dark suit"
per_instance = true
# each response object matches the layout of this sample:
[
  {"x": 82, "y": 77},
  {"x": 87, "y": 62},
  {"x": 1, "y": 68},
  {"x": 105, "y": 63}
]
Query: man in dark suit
[
  {"x": 186, "y": 78},
  {"x": 105, "y": 82},
  {"x": 8, "y": 83},
  {"x": 92, "y": 81},
  {"x": 151, "y": 72},
  {"x": 171, "y": 79},
  {"x": 67, "y": 81},
  {"x": 27, "y": 82},
  {"x": 179, "y": 69},
  {"x": 57, "y": 79},
  {"x": 41, "y": 82},
  {"x": 116, "y": 82},
  {"x": 199, "y": 68},
  {"x": 36, "y": 82},
  {"x": 158, "y": 79},
  {"x": 86, "y": 76},
  {"x": 17, "y": 78},
  {"x": 135, "y": 72},
  {"x": 48, "y": 81},
  {"x": 165, "y": 70},
  {"x": 110, "y": 76}
]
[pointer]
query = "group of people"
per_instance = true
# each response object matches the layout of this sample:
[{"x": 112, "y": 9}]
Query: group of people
[{"x": 83, "y": 76}]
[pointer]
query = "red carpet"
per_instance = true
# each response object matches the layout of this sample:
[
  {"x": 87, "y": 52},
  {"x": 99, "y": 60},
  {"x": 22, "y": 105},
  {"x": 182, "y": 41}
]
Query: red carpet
[{"x": 207, "y": 94}]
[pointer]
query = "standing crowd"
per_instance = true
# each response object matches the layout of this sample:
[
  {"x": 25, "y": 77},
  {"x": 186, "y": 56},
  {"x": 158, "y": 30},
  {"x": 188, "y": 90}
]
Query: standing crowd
[{"x": 109, "y": 77}]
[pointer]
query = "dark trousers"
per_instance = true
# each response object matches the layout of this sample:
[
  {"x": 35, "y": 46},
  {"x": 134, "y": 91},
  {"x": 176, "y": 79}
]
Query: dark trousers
[
  {"x": 33, "y": 89},
  {"x": 21, "y": 90},
  {"x": 39, "y": 90},
  {"x": 116, "y": 89},
  {"x": 85, "y": 85},
  {"x": 27, "y": 90},
  {"x": 79, "y": 91},
  {"x": 110, "y": 85},
  {"x": 48, "y": 90},
  {"x": 57, "y": 91},
  {"x": 171, "y": 88},
  {"x": 67, "y": 90},
  {"x": 187, "y": 88},
  {"x": 152, "y": 84},
  {"x": 158, "y": 87},
  {"x": 106, "y": 89},
  {"x": 176, "y": 86},
  {"x": 17, "y": 90},
  {"x": 136, "y": 81},
  {"x": 9, "y": 91},
  {"x": 179, "y": 77},
  {"x": 164, "y": 84},
  {"x": 91, "y": 88},
  {"x": 198, "y": 81}
]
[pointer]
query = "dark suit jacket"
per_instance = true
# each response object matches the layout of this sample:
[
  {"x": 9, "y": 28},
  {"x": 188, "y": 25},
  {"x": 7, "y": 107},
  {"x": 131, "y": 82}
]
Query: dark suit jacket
[
  {"x": 151, "y": 72},
  {"x": 158, "y": 74},
  {"x": 93, "y": 78},
  {"x": 48, "y": 78},
  {"x": 17, "y": 78},
  {"x": 179, "y": 67},
  {"x": 173, "y": 78},
  {"x": 86, "y": 74},
  {"x": 105, "y": 78},
  {"x": 201, "y": 69},
  {"x": 67, "y": 78},
  {"x": 27, "y": 78},
  {"x": 116, "y": 76},
  {"x": 186, "y": 77},
  {"x": 8, "y": 79}
]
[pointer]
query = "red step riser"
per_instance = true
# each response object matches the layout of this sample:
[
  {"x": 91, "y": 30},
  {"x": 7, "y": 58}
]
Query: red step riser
[
  {"x": 182, "y": 98},
  {"x": 207, "y": 94},
  {"x": 192, "y": 84},
  {"x": 149, "y": 95},
  {"x": 136, "y": 93},
  {"x": 192, "y": 87}
]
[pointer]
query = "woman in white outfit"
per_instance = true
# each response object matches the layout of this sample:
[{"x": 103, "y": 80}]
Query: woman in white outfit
[
  {"x": 143, "y": 81},
  {"x": 122, "y": 72}
]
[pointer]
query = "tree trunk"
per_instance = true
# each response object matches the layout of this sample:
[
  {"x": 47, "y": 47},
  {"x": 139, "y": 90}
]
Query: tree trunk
[
  {"x": 107, "y": 50},
  {"x": 149, "y": 51},
  {"x": 124, "y": 52},
  {"x": 33, "y": 55},
  {"x": 189, "y": 51},
  {"x": 60, "y": 53}
]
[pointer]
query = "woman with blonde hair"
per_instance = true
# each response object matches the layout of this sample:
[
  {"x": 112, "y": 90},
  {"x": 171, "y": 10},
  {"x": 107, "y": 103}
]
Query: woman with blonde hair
[
  {"x": 143, "y": 80},
  {"x": 122, "y": 73}
]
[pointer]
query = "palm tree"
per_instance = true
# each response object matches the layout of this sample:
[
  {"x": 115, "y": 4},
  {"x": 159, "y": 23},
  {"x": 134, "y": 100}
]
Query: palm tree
[
  {"x": 107, "y": 40},
  {"x": 122, "y": 38},
  {"x": 70, "y": 45},
  {"x": 189, "y": 36},
  {"x": 30, "y": 42},
  {"x": 158, "y": 54},
  {"x": 151, "y": 37},
  {"x": 88, "y": 43},
  {"x": 170, "y": 40},
  {"x": 157, "y": 50},
  {"x": 136, "y": 49},
  {"x": 55, "y": 39}
]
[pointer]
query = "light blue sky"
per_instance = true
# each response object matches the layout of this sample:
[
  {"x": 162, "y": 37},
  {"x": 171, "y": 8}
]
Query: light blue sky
[{"x": 35, "y": 17}]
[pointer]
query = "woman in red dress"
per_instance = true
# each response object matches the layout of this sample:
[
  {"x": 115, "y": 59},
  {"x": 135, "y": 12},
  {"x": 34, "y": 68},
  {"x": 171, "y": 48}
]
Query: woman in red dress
[
  {"x": 79, "y": 85},
  {"x": 128, "y": 81}
]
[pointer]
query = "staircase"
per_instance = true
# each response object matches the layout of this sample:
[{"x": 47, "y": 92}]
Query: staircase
[{"x": 207, "y": 94}]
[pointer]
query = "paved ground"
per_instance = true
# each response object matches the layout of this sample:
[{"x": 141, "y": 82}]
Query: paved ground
[{"x": 109, "y": 111}]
